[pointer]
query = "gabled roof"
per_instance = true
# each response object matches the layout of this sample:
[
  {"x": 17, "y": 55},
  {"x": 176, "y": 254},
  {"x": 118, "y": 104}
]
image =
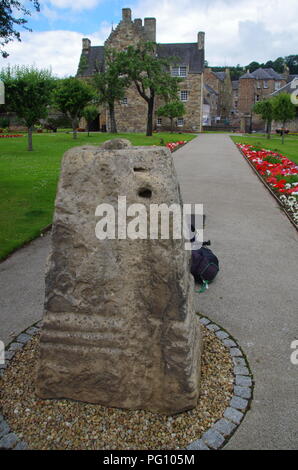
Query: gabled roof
[
  {"x": 210, "y": 89},
  {"x": 94, "y": 60},
  {"x": 220, "y": 75},
  {"x": 263, "y": 74},
  {"x": 187, "y": 54},
  {"x": 288, "y": 88}
]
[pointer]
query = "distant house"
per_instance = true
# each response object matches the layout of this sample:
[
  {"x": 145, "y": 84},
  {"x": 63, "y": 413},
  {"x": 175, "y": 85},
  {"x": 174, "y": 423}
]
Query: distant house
[
  {"x": 257, "y": 85},
  {"x": 131, "y": 112},
  {"x": 292, "y": 88},
  {"x": 221, "y": 83},
  {"x": 210, "y": 106}
]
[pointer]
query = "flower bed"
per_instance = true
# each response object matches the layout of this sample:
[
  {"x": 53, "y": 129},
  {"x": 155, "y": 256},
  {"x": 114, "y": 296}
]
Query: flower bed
[
  {"x": 175, "y": 145},
  {"x": 279, "y": 173},
  {"x": 11, "y": 135}
]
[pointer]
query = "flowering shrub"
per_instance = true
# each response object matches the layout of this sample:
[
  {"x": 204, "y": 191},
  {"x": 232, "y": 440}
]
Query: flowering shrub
[
  {"x": 174, "y": 145},
  {"x": 280, "y": 173},
  {"x": 11, "y": 135}
]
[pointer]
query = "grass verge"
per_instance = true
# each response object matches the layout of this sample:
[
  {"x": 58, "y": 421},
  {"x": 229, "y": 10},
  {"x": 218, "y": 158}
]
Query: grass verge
[{"x": 28, "y": 180}]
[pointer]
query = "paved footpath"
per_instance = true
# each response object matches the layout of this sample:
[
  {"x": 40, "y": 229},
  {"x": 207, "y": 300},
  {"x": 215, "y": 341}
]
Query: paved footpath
[{"x": 255, "y": 295}]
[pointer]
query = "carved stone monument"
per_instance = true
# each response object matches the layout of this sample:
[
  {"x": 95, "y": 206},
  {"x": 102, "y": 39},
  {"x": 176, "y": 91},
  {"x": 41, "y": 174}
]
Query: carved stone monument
[{"x": 119, "y": 327}]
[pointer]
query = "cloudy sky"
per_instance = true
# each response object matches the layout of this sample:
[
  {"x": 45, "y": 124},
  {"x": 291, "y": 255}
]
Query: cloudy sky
[{"x": 237, "y": 31}]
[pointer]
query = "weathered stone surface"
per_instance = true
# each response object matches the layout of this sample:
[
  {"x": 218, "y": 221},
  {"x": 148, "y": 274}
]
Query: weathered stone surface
[
  {"x": 119, "y": 327},
  {"x": 116, "y": 144}
]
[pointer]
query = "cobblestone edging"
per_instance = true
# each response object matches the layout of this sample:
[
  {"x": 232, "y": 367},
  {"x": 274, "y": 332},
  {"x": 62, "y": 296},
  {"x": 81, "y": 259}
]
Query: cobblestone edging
[
  {"x": 215, "y": 438},
  {"x": 218, "y": 435}
]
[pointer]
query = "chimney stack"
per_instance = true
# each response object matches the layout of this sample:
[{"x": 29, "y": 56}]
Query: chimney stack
[
  {"x": 86, "y": 44},
  {"x": 138, "y": 23},
  {"x": 126, "y": 15},
  {"x": 201, "y": 40},
  {"x": 150, "y": 29}
]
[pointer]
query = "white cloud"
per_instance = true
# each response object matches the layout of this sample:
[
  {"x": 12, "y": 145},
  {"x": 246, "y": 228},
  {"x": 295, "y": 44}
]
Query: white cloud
[
  {"x": 58, "y": 50},
  {"x": 237, "y": 31},
  {"x": 75, "y": 4}
]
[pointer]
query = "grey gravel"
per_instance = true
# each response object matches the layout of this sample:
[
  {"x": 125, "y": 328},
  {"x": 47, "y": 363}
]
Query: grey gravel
[
  {"x": 233, "y": 415},
  {"x": 239, "y": 403},
  {"x": 241, "y": 370},
  {"x": 8, "y": 441},
  {"x": 213, "y": 438},
  {"x": 243, "y": 392},
  {"x": 243, "y": 381},
  {"x": 224, "y": 426},
  {"x": 23, "y": 338},
  {"x": 197, "y": 445}
]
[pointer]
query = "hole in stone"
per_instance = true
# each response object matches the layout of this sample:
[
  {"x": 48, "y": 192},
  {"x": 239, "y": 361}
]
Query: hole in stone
[
  {"x": 145, "y": 192},
  {"x": 139, "y": 168}
]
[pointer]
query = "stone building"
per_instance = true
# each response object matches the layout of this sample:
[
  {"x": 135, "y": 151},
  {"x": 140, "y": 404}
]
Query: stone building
[
  {"x": 291, "y": 88},
  {"x": 221, "y": 83},
  {"x": 131, "y": 112},
  {"x": 253, "y": 87},
  {"x": 210, "y": 106}
]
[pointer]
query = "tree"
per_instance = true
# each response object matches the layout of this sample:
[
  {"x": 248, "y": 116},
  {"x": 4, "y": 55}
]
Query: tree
[
  {"x": 265, "y": 110},
  {"x": 253, "y": 66},
  {"x": 71, "y": 96},
  {"x": 292, "y": 63},
  {"x": 90, "y": 113},
  {"x": 9, "y": 20},
  {"x": 172, "y": 110},
  {"x": 28, "y": 93},
  {"x": 283, "y": 110},
  {"x": 279, "y": 64},
  {"x": 110, "y": 85},
  {"x": 150, "y": 75}
]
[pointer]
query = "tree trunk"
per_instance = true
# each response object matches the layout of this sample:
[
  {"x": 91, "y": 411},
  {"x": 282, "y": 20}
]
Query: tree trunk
[
  {"x": 150, "y": 116},
  {"x": 269, "y": 124},
  {"x": 283, "y": 132},
  {"x": 30, "y": 131},
  {"x": 172, "y": 125},
  {"x": 112, "y": 118},
  {"x": 74, "y": 128}
]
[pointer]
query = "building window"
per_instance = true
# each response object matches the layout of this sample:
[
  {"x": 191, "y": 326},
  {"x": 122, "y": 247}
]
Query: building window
[
  {"x": 180, "y": 122},
  {"x": 258, "y": 84},
  {"x": 159, "y": 121},
  {"x": 183, "y": 95},
  {"x": 277, "y": 85},
  {"x": 265, "y": 84},
  {"x": 257, "y": 98},
  {"x": 123, "y": 101},
  {"x": 179, "y": 71}
]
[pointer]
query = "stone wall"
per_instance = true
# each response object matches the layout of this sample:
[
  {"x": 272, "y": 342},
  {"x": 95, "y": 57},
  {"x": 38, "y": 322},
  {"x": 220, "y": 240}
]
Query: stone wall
[{"x": 193, "y": 83}]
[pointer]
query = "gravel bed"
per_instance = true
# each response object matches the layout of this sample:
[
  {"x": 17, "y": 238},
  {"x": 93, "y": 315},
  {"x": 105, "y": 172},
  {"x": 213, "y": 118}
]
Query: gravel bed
[{"x": 70, "y": 425}]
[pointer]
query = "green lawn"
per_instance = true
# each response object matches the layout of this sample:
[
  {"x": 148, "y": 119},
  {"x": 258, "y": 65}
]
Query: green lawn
[
  {"x": 289, "y": 148},
  {"x": 28, "y": 180}
]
